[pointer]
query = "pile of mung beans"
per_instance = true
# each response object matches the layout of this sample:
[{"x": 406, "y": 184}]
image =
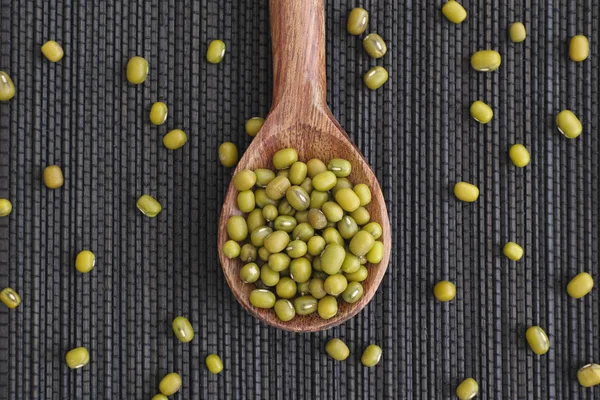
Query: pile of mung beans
[
  {"x": 570, "y": 126},
  {"x": 306, "y": 236}
]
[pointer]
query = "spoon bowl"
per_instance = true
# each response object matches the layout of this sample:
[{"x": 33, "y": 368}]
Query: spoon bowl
[{"x": 301, "y": 119}]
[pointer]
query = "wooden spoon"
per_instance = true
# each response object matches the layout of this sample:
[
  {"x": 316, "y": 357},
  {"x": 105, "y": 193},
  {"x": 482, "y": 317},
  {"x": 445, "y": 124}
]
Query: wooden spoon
[{"x": 300, "y": 118}]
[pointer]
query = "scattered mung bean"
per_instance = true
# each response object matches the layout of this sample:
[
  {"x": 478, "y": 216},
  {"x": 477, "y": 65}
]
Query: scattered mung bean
[
  {"x": 158, "y": 113},
  {"x": 77, "y": 358},
  {"x": 337, "y": 349},
  {"x": 454, "y": 11},
  {"x": 375, "y": 77},
  {"x": 7, "y": 87},
  {"x": 85, "y": 261},
  {"x": 253, "y": 125},
  {"x": 517, "y": 32},
  {"x": 579, "y": 48},
  {"x": 568, "y": 124},
  {"x": 374, "y": 45},
  {"x": 215, "y": 52},
  {"x": 333, "y": 212},
  {"x": 175, "y": 139},
  {"x": 53, "y": 177},
  {"x": 513, "y": 251},
  {"x": 10, "y": 298},
  {"x": 580, "y": 285},
  {"x": 183, "y": 329},
  {"x": 444, "y": 291},
  {"x": 371, "y": 356},
  {"x": 170, "y": 384},
  {"x": 137, "y": 70},
  {"x": 361, "y": 216},
  {"x": 52, "y": 51},
  {"x": 465, "y": 191},
  {"x": 149, "y": 206},
  {"x": 538, "y": 340},
  {"x": 519, "y": 155},
  {"x": 316, "y": 244},
  {"x": 589, "y": 375},
  {"x": 481, "y": 112},
  {"x": 214, "y": 363},
  {"x": 228, "y": 154},
  {"x": 357, "y": 21},
  {"x": 5, "y": 207},
  {"x": 467, "y": 389},
  {"x": 277, "y": 241},
  {"x": 486, "y": 60}
]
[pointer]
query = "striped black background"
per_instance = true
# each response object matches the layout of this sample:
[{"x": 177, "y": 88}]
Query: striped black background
[{"x": 417, "y": 134}]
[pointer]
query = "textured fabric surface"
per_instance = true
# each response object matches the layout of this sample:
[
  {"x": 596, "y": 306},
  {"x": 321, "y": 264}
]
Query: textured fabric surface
[{"x": 416, "y": 133}]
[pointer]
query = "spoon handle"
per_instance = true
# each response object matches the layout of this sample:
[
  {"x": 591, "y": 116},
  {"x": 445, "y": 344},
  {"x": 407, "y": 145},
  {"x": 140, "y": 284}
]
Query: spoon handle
[{"x": 298, "y": 37}]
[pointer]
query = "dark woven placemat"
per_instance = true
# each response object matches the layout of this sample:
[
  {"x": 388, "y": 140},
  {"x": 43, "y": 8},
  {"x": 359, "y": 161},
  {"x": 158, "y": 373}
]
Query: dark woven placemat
[{"x": 417, "y": 134}]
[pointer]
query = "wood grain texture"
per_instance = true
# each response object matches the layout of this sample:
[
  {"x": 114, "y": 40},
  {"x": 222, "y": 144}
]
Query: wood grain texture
[{"x": 300, "y": 118}]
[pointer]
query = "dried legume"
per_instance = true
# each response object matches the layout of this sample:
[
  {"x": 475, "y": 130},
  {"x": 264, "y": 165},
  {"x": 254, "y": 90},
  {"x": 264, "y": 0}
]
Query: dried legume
[
  {"x": 579, "y": 48},
  {"x": 454, "y": 12},
  {"x": 52, "y": 51}
]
